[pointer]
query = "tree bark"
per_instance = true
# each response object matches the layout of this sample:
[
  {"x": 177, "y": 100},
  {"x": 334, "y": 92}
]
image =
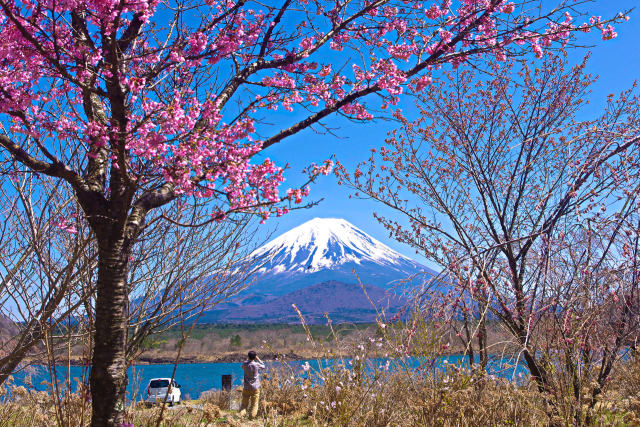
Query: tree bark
[
  {"x": 483, "y": 339},
  {"x": 482, "y": 344},
  {"x": 538, "y": 372},
  {"x": 108, "y": 378}
]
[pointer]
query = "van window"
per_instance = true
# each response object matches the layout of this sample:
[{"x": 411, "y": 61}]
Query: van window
[{"x": 159, "y": 383}]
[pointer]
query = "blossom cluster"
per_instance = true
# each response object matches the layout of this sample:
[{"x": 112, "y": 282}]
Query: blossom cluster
[{"x": 100, "y": 78}]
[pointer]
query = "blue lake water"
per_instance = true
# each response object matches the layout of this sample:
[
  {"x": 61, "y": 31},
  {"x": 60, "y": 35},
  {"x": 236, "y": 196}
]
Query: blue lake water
[{"x": 195, "y": 378}]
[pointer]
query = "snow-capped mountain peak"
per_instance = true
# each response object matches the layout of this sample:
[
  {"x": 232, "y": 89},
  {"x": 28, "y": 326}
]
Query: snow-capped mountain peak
[
  {"x": 325, "y": 243},
  {"x": 313, "y": 265}
]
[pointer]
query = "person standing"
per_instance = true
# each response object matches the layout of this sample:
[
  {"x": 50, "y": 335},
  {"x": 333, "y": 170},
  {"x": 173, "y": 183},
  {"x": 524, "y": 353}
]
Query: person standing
[{"x": 251, "y": 391}]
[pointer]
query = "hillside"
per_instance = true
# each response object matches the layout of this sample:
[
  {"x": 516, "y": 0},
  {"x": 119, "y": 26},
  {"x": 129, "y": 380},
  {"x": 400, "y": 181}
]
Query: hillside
[{"x": 344, "y": 302}]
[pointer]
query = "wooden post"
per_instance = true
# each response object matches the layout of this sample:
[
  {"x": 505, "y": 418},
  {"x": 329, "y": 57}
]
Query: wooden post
[{"x": 226, "y": 382}]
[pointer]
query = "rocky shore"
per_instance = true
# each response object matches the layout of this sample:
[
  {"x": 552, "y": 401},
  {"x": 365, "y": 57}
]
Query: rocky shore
[{"x": 160, "y": 360}]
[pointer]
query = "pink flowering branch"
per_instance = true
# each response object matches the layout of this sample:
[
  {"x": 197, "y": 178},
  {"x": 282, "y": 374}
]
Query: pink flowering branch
[
  {"x": 139, "y": 104},
  {"x": 496, "y": 180}
]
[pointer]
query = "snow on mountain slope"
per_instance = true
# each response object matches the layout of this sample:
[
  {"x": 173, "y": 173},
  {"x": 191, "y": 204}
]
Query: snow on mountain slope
[
  {"x": 325, "y": 243},
  {"x": 328, "y": 249}
]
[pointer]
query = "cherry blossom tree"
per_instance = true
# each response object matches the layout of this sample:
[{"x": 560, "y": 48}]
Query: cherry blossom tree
[
  {"x": 47, "y": 271},
  {"x": 43, "y": 265},
  {"x": 526, "y": 209},
  {"x": 592, "y": 319},
  {"x": 139, "y": 104},
  {"x": 176, "y": 273}
]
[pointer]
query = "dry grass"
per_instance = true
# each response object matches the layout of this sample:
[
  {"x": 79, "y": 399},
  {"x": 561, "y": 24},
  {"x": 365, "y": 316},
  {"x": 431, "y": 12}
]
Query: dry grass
[
  {"x": 364, "y": 391},
  {"x": 22, "y": 407},
  {"x": 399, "y": 398},
  {"x": 402, "y": 399},
  {"x": 358, "y": 395}
]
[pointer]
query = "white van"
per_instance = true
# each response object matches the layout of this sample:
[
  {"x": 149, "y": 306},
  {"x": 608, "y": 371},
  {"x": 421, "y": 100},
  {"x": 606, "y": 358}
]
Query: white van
[{"x": 159, "y": 388}]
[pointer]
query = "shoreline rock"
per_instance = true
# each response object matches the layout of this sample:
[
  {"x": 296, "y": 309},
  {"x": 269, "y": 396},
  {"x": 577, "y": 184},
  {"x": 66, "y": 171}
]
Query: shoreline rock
[{"x": 160, "y": 360}]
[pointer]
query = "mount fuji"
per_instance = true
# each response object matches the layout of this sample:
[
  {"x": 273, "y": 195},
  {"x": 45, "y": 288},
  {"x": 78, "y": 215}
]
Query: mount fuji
[
  {"x": 328, "y": 249},
  {"x": 319, "y": 266}
]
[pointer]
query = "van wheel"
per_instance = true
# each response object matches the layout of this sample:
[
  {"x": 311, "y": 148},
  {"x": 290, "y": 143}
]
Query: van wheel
[{"x": 171, "y": 403}]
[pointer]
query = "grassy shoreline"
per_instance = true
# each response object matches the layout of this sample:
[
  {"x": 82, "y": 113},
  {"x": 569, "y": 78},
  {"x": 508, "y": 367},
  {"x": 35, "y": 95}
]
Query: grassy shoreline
[{"x": 400, "y": 399}]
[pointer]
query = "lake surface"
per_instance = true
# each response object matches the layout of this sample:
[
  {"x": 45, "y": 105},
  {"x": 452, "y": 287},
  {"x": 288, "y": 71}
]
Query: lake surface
[{"x": 196, "y": 378}]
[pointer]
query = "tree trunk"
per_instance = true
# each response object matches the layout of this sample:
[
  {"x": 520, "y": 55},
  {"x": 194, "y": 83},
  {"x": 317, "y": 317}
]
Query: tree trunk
[
  {"x": 468, "y": 339},
  {"x": 483, "y": 339},
  {"x": 470, "y": 352},
  {"x": 538, "y": 372},
  {"x": 482, "y": 345},
  {"x": 108, "y": 378}
]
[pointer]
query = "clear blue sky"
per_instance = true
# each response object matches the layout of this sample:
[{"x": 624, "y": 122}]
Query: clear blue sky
[{"x": 617, "y": 62}]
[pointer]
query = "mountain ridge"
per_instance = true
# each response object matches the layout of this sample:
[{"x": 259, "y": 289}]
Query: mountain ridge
[{"x": 350, "y": 302}]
